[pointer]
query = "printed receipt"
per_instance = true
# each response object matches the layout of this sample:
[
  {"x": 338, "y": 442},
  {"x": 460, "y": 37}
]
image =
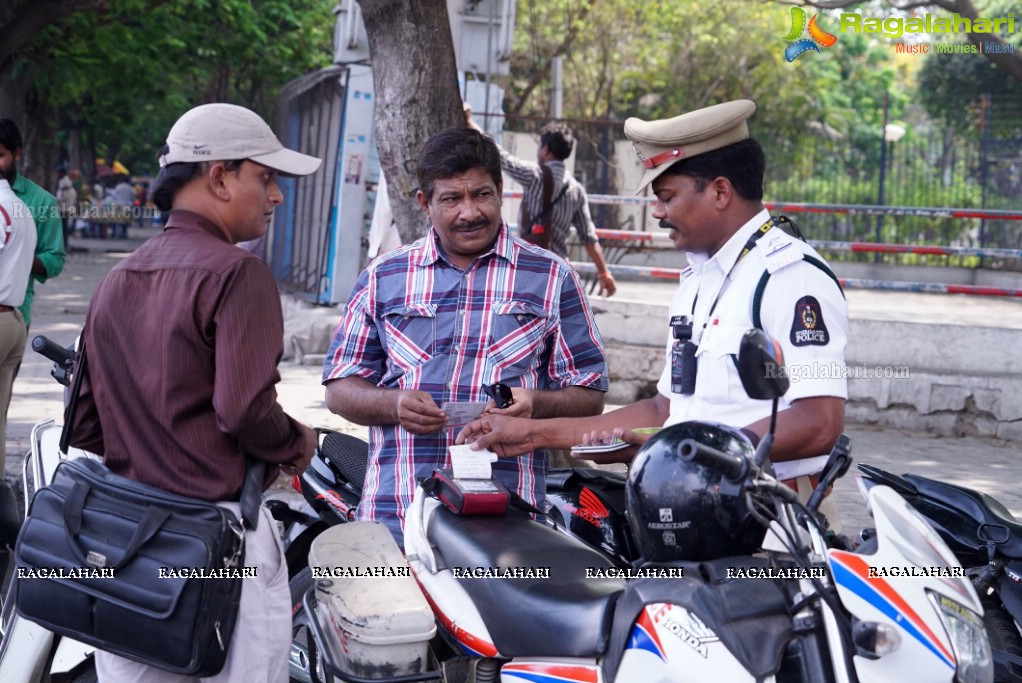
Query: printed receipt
[{"x": 471, "y": 464}]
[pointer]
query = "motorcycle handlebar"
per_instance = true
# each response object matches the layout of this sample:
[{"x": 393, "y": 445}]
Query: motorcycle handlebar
[
  {"x": 733, "y": 467},
  {"x": 55, "y": 352}
]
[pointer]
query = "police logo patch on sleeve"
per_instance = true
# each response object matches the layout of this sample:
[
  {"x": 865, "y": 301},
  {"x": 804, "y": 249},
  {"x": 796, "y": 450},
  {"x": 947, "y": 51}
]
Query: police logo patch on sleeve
[{"x": 808, "y": 328}]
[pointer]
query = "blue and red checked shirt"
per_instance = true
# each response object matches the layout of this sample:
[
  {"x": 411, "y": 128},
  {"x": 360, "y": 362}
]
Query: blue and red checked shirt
[{"x": 518, "y": 315}]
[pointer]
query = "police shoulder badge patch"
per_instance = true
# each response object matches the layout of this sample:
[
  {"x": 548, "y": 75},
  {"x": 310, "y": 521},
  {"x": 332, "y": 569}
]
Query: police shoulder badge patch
[{"x": 808, "y": 328}]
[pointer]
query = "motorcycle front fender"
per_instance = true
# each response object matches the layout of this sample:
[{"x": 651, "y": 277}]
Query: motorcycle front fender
[
  {"x": 70, "y": 655},
  {"x": 24, "y": 651}
]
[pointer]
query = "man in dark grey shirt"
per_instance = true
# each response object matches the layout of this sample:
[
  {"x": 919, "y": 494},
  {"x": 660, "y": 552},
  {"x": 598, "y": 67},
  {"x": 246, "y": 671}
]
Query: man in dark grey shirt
[
  {"x": 183, "y": 338},
  {"x": 568, "y": 203}
]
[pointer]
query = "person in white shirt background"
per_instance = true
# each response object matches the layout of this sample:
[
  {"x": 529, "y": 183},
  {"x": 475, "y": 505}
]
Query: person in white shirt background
[{"x": 17, "y": 249}]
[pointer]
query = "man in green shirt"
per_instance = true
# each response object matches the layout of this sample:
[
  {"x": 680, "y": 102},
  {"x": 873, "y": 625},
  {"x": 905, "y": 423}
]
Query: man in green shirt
[{"x": 49, "y": 250}]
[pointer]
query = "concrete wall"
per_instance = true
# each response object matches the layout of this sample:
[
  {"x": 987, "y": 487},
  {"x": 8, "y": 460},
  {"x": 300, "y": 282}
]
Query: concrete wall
[
  {"x": 308, "y": 329},
  {"x": 944, "y": 379},
  {"x": 955, "y": 276},
  {"x": 867, "y": 271},
  {"x": 963, "y": 380}
]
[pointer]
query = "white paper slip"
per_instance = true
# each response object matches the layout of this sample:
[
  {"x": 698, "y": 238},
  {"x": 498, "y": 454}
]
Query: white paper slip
[
  {"x": 460, "y": 413},
  {"x": 805, "y": 467},
  {"x": 471, "y": 464}
]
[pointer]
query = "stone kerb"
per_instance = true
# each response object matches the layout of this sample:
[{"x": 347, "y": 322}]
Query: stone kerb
[
  {"x": 949, "y": 380},
  {"x": 961, "y": 380},
  {"x": 943, "y": 379}
]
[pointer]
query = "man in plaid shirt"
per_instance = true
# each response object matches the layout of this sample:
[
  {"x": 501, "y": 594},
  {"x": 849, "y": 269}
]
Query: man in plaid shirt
[{"x": 467, "y": 305}]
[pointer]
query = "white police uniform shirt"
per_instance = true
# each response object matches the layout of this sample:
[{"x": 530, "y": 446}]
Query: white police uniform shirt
[{"x": 802, "y": 308}]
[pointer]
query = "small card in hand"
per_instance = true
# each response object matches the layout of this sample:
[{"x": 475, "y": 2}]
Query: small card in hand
[{"x": 460, "y": 413}]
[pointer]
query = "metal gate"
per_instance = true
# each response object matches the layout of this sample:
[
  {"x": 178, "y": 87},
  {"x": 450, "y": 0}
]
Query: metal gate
[{"x": 317, "y": 242}]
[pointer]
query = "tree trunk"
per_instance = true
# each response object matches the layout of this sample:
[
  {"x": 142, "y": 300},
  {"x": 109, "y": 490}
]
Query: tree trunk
[
  {"x": 39, "y": 154},
  {"x": 76, "y": 153},
  {"x": 20, "y": 23},
  {"x": 415, "y": 79},
  {"x": 34, "y": 120},
  {"x": 12, "y": 94}
]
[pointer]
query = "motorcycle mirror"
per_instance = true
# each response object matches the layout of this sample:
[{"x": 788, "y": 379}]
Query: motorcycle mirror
[{"x": 761, "y": 366}]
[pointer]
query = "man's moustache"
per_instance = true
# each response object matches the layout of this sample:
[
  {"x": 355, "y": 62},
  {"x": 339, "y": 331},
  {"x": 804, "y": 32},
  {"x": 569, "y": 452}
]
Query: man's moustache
[
  {"x": 667, "y": 226},
  {"x": 465, "y": 227}
]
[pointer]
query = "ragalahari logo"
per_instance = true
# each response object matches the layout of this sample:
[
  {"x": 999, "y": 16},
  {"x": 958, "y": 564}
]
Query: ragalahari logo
[{"x": 817, "y": 36}]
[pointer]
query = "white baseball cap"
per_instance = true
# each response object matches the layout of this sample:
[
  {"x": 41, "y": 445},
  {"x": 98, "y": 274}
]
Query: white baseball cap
[{"x": 221, "y": 132}]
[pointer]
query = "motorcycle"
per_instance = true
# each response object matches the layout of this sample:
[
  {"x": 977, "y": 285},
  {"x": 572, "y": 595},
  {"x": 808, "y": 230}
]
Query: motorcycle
[
  {"x": 331, "y": 486},
  {"x": 28, "y": 652},
  {"x": 798, "y": 610},
  {"x": 587, "y": 503},
  {"x": 986, "y": 539}
]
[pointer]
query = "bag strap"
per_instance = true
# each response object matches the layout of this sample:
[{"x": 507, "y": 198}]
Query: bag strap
[
  {"x": 548, "y": 188},
  {"x": 76, "y": 389},
  {"x": 548, "y": 180},
  {"x": 560, "y": 195},
  {"x": 252, "y": 492},
  {"x": 757, "y": 298},
  {"x": 525, "y": 216},
  {"x": 255, "y": 470}
]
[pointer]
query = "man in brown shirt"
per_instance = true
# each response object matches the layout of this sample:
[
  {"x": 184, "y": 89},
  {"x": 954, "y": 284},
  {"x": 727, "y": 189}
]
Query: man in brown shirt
[{"x": 183, "y": 339}]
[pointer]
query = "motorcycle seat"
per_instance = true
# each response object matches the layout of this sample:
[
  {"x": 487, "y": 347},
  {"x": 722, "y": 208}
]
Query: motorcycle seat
[
  {"x": 348, "y": 455},
  {"x": 980, "y": 507},
  {"x": 565, "y": 615}
]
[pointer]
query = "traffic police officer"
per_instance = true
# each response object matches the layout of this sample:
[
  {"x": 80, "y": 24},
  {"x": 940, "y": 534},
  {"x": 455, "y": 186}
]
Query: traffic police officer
[{"x": 743, "y": 271}]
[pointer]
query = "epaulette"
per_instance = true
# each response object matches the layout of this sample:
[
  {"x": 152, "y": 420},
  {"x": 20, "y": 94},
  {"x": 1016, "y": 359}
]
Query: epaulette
[{"x": 779, "y": 249}]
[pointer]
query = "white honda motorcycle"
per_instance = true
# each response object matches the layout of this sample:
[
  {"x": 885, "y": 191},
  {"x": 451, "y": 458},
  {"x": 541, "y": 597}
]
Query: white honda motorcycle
[{"x": 740, "y": 582}]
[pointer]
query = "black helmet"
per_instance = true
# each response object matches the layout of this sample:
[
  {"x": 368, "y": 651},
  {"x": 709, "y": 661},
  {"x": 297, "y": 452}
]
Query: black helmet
[{"x": 675, "y": 507}]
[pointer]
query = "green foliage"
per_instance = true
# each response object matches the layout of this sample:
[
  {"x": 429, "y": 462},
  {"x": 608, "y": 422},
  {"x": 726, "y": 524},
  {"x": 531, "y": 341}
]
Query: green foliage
[
  {"x": 660, "y": 58},
  {"x": 123, "y": 76},
  {"x": 951, "y": 90},
  {"x": 914, "y": 178},
  {"x": 951, "y": 87}
]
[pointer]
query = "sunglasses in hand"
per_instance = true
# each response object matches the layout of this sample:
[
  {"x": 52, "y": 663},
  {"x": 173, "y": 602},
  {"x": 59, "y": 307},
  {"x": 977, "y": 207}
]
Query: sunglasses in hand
[{"x": 500, "y": 393}]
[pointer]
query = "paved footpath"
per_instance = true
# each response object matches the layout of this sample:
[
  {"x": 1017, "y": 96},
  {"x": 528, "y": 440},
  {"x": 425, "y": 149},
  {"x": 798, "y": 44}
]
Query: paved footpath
[{"x": 994, "y": 467}]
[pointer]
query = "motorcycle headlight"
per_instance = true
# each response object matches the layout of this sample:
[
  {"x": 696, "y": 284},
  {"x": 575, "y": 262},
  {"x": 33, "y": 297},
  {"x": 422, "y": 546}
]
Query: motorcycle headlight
[{"x": 968, "y": 640}]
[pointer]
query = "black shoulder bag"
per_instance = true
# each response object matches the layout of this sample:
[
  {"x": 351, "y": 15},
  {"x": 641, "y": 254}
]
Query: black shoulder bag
[
  {"x": 538, "y": 232},
  {"x": 131, "y": 569}
]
